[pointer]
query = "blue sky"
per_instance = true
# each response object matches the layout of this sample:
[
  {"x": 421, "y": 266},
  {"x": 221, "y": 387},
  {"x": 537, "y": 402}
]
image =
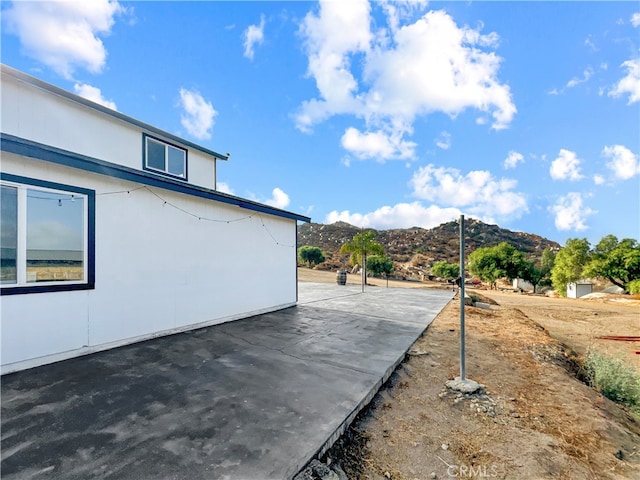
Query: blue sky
[{"x": 381, "y": 114}]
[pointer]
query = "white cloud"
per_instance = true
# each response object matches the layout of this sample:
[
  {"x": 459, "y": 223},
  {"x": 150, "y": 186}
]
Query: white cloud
[
  {"x": 622, "y": 162},
  {"x": 225, "y": 188},
  {"x": 398, "y": 10},
  {"x": 378, "y": 145},
  {"x": 279, "y": 199},
  {"x": 598, "y": 179},
  {"x": 566, "y": 166},
  {"x": 570, "y": 213},
  {"x": 478, "y": 192},
  {"x": 253, "y": 35},
  {"x": 197, "y": 114},
  {"x": 513, "y": 159},
  {"x": 577, "y": 81},
  {"x": 460, "y": 74},
  {"x": 64, "y": 35},
  {"x": 429, "y": 66},
  {"x": 635, "y": 19},
  {"x": 443, "y": 141},
  {"x": 341, "y": 28},
  {"x": 401, "y": 215},
  {"x": 94, "y": 94},
  {"x": 630, "y": 84}
]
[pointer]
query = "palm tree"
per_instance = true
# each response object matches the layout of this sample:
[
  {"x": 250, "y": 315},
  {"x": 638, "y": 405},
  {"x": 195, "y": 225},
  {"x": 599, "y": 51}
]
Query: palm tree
[{"x": 363, "y": 243}]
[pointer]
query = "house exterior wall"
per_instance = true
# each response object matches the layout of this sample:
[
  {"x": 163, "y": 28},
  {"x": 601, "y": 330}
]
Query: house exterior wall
[
  {"x": 158, "y": 270},
  {"x": 38, "y": 115}
]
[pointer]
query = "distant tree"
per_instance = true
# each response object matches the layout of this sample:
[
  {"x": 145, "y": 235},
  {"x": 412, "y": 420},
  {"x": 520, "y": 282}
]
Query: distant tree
[
  {"x": 445, "y": 270},
  {"x": 491, "y": 263},
  {"x": 538, "y": 272},
  {"x": 547, "y": 261},
  {"x": 484, "y": 264},
  {"x": 569, "y": 264},
  {"x": 634, "y": 286},
  {"x": 617, "y": 261},
  {"x": 363, "y": 244},
  {"x": 531, "y": 273},
  {"x": 379, "y": 264},
  {"x": 511, "y": 260},
  {"x": 310, "y": 255}
]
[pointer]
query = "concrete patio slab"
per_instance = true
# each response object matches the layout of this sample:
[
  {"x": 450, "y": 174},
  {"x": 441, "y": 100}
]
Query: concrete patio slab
[{"x": 250, "y": 399}]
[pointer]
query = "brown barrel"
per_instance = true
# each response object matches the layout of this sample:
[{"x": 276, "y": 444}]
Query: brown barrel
[{"x": 341, "y": 277}]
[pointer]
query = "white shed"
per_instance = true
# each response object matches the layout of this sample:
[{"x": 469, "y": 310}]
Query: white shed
[
  {"x": 579, "y": 289},
  {"x": 112, "y": 232}
]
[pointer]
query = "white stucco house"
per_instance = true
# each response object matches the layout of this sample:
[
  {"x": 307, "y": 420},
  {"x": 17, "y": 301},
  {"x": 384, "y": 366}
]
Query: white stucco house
[{"x": 112, "y": 231}]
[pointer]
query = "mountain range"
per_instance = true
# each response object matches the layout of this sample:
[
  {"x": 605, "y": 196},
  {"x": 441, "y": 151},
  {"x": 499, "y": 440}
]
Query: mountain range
[{"x": 413, "y": 250}]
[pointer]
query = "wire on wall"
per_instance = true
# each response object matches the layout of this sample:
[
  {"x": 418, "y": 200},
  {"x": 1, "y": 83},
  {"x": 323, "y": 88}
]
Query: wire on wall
[
  {"x": 180, "y": 209},
  {"x": 165, "y": 202}
]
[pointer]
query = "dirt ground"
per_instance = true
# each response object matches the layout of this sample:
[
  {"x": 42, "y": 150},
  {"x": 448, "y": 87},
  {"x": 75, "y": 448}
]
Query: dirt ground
[{"x": 534, "y": 419}]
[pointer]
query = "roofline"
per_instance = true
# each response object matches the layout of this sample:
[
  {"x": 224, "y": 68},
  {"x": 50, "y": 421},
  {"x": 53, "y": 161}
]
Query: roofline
[
  {"x": 23, "y": 77},
  {"x": 47, "y": 153}
]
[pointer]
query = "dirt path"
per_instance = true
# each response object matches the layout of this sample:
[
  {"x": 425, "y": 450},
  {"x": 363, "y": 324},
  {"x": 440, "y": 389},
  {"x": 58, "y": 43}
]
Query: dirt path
[
  {"x": 536, "y": 420},
  {"x": 579, "y": 322}
]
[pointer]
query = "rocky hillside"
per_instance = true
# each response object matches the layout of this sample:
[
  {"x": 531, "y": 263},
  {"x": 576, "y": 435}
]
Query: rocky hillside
[{"x": 415, "y": 249}]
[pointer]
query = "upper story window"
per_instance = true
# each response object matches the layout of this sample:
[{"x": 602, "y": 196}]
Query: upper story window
[
  {"x": 47, "y": 238},
  {"x": 165, "y": 158}
]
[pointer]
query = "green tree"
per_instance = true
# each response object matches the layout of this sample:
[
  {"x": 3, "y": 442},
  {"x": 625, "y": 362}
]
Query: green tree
[
  {"x": 445, "y": 270},
  {"x": 547, "y": 261},
  {"x": 511, "y": 260},
  {"x": 310, "y": 255},
  {"x": 363, "y": 244},
  {"x": 569, "y": 264},
  {"x": 379, "y": 264},
  {"x": 634, "y": 286},
  {"x": 492, "y": 263},
  {"x": 617, "y": 261},
  {"x": 484, "y": 264},
  {"x": 531, "y": 273},
  {"x": 536, "y": 273}
]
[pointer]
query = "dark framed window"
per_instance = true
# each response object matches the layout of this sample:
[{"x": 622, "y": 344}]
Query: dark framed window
[
  {"x": 164, "y": 158},
  {"x": 47, "y": 236}
]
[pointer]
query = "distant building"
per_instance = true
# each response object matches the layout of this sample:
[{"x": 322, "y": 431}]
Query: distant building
[
  {"x": 112, "y": 231},
  {"x": 579, "y": 289}
]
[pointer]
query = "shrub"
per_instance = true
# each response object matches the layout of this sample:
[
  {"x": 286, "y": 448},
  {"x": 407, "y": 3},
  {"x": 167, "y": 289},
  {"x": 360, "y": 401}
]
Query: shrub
[
  {"x": 614, "y": 379},
  {"x": 633, "y": 286}
]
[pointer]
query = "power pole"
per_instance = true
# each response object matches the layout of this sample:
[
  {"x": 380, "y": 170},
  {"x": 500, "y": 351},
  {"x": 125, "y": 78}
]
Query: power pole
[
  {"x": 461, "y": 383},
  {"x": 461, "y": 293},
  {"x": 364, "y": 262}
]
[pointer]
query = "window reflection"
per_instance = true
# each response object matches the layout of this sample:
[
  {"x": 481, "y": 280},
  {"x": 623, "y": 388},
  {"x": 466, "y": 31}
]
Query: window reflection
[
  {"x": 55, "y": 236},
  {"x": 8, "y": 234}
]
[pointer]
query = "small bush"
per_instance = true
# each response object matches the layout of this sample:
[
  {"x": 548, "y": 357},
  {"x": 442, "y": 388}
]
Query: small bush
[
  {"x": 634, "y": 286},
  {"x": 614, "y": 379}
]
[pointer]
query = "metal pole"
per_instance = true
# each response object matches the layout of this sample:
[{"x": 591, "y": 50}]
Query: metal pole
[
  {"x": 461, "y": 293},
  {"x": 364, "y": 262}
]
